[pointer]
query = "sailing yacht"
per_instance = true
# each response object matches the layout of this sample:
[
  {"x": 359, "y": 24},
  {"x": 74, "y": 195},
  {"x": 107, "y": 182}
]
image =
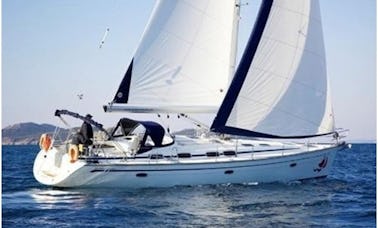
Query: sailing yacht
[{"x": 186, "y": 64}]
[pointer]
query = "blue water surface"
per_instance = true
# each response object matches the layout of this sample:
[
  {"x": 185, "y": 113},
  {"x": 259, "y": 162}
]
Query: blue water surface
[{"x": 347, "y": 198}]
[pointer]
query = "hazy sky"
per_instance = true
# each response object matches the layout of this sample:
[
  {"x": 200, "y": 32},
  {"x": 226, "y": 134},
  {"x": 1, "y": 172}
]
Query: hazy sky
[{"x": 50, "y": 54}]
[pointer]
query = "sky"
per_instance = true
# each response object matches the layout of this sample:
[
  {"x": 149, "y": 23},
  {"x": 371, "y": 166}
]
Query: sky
[{"x": 50, "y": 54}]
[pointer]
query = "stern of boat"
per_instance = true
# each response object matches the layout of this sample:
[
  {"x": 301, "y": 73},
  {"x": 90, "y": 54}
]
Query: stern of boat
[{"x": 53, "y": 166}]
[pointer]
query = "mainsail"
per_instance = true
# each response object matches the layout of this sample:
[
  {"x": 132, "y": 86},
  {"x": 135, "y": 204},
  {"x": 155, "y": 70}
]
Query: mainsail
[
  {"x": 280, "y": 89},
  {"x": 184, "y": 60},
  {"x": 186, "y": 57}
]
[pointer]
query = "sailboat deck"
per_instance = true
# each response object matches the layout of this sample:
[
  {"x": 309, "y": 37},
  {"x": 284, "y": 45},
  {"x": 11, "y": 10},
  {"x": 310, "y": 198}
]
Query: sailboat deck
[{"x": 209, "y": 150}]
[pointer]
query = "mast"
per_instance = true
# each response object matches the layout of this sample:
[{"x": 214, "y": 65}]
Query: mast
[{"x": 234, "y": 40}]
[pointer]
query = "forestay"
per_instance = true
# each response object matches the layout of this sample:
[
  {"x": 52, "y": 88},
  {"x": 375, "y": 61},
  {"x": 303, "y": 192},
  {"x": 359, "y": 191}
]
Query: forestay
[
  {"x": 184, "y": 60},
  {"x": 280, "y": 88}
]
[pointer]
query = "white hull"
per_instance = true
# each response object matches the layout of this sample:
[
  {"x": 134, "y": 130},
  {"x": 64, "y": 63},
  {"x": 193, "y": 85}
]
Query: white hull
[{"x": 271, "y": 164}]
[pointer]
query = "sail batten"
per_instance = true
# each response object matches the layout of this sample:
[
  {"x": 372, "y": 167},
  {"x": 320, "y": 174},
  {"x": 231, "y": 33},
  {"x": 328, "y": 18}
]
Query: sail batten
[{"x": 280, "y": 89}]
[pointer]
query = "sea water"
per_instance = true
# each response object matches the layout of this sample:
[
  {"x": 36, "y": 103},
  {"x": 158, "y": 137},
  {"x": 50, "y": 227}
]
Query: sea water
[{"x": 346, "y": 198}]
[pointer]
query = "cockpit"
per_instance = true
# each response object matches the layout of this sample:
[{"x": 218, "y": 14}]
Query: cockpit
[{"x": 142, "y": 135}]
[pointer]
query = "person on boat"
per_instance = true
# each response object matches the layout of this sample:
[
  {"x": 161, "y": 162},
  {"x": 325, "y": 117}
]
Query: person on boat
[
  {"x": 336, "y": 136},
  {"x": 85, "y": 135}
]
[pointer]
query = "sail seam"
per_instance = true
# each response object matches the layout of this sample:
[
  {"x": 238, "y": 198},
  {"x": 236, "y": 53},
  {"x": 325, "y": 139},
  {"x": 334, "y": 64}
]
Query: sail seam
[
  {"x": 294, "y": 81},
  {"x": 302, "y": 14},
  {"x": 294, "y": 47},
  {"x": 191, "y": 44},
  {"x": 204, "y": 12},
  {"x": 145, "y": 81},
  {"x": 299, "y": 13},
  {"x": 282, "y": 110}
]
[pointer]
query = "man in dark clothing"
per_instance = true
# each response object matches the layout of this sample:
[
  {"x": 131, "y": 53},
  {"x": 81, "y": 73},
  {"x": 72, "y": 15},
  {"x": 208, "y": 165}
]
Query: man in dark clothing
[
  {"x": 87, "y": 132},
  {"x": 85, "y": 135}
]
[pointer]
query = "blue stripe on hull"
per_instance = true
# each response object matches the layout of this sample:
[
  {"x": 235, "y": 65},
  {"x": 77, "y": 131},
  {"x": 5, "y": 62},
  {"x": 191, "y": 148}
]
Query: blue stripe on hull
[{"x": 198, "y": 169}]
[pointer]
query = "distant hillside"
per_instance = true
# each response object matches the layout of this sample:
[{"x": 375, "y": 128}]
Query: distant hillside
[
  {"x": 187, "y": 132},
  {"x": 29, "y": 133},
  {"x": 26, "y": 133}
]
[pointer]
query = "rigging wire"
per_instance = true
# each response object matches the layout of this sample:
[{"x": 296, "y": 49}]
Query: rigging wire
[
  {"x": 196, "y": 122},
  {"x": 65, "y": 122},
  {"x": 165, "y": 124}
]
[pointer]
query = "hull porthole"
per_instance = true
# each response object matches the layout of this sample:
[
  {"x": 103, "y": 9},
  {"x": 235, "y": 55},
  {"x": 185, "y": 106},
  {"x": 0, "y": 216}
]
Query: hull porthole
[
  {"x": 229, "y": 172},
  {"x": 141, "y": 175}
]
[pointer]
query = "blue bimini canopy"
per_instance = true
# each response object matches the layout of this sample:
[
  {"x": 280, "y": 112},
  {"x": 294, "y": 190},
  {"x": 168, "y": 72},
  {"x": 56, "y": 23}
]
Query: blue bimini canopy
[{"x": 155, "y": 131}]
